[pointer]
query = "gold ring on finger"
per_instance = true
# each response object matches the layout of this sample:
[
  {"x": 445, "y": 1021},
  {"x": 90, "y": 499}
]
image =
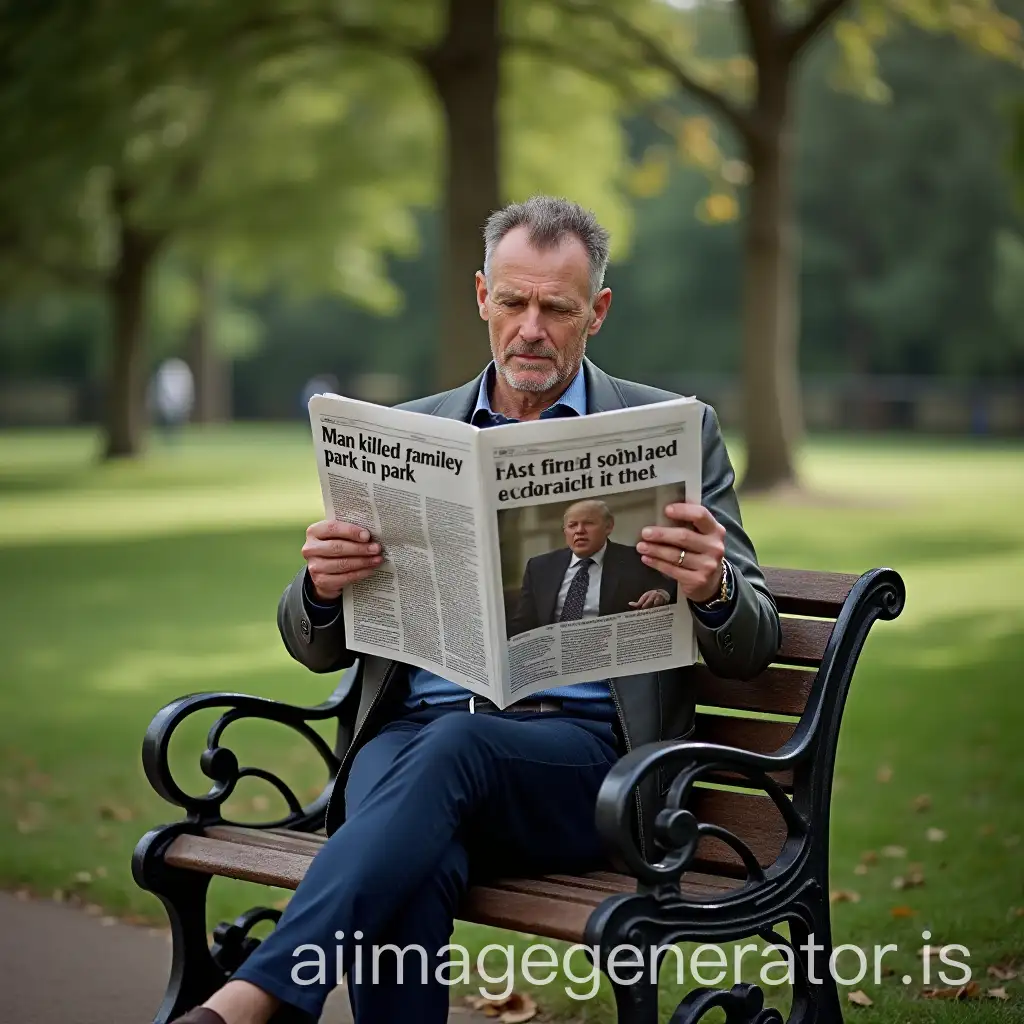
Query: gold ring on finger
[{"x": 682, "y": 555}]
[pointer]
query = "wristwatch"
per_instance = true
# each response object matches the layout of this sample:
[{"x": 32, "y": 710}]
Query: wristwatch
[{"x": 725, "y": 594}]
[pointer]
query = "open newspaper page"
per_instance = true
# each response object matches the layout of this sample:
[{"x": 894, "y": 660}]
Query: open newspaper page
[
  {"x": 569, "y": 499},
  {"x": 414, "y": 482}
]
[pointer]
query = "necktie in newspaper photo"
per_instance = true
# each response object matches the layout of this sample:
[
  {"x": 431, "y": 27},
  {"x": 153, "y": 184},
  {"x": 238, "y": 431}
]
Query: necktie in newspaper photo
[{"x": 576, "y": 598}]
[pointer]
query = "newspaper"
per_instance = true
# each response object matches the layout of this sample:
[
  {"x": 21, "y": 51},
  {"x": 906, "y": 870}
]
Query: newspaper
[{"x": 482, "y": 532}]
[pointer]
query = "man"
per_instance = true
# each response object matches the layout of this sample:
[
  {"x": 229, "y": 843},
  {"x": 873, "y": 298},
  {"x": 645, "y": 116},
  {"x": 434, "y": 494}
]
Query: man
[
  {"x": 430, "y": 793},
  {"x": 591, "y": 576}
]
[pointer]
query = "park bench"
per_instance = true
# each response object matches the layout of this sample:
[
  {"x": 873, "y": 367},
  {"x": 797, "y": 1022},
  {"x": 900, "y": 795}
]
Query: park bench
[{"x": 742, "y": 831}]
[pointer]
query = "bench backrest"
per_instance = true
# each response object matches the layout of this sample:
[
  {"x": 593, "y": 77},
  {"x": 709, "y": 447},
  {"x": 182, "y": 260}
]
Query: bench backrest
[{"x": 761, "y": 714}]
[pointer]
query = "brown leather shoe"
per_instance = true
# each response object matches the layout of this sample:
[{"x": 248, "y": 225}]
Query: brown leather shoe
[{"x": 200, "y": 1015}]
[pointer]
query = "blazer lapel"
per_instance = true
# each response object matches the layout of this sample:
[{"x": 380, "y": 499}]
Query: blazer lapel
[
  {"x": 603, "y": 392},
  {"x": 459, "y": 403}
]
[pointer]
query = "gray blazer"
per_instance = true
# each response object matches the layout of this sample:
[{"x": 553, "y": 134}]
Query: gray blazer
[{"x": 651, "y": 705}]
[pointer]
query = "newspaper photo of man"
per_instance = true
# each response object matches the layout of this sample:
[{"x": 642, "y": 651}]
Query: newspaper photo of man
[{"x": 591, "y": 575}]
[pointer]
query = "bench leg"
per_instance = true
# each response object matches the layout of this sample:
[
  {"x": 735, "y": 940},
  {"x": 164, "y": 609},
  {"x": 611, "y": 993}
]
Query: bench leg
[
  {"x": 195, "y": 975},
  {"x": 636, "y": 1004},
  {"x": 814, "y": 1003}
]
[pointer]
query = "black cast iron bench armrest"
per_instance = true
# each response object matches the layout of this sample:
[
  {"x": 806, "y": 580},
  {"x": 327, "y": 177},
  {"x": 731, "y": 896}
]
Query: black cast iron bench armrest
[
  {"x": 220, "y": 764},
  {"x": 676, "y": 829},
  {"x": 809, "y": 754}
]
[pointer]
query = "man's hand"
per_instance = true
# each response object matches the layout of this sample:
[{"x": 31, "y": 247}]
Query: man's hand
[
  {"x": 652, "y": 599},
  {"x": 702, "y": 538},
  {"x": 338, "y": 554}
]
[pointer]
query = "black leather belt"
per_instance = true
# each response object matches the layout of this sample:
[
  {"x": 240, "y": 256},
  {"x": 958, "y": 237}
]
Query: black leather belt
[{"x": 482, "y": 706}]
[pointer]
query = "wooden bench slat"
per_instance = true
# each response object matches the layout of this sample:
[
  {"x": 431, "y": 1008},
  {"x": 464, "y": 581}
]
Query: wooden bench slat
[
  {"x": 569, "y": 892},
  {"x": 752, "y": 734},
  {"x": 804, "y": 592},
  {"x": 234, "y": 860},
  {"x": 803, "y": 641},
  {"x": 609, "y": 886},
  {"x": 778, "y": 691},
  {"x": 286, "y": 842},
  {"x": 521, "y": 912},
  {"x": 753, "y": 818}
]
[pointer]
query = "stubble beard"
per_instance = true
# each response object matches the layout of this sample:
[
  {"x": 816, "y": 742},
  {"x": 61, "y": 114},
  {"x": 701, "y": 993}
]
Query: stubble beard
[{"x": 525, "y": 380}]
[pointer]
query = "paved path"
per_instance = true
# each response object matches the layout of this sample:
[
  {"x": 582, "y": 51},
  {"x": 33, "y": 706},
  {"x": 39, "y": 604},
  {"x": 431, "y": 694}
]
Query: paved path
[{"x": 59, "y": 965}]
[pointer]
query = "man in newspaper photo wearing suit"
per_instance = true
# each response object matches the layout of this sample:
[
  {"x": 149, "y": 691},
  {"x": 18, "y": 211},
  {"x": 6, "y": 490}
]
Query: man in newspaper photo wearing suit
[
  {"x": 436, "y": 788},
  {"x": 592, "y": 575}
]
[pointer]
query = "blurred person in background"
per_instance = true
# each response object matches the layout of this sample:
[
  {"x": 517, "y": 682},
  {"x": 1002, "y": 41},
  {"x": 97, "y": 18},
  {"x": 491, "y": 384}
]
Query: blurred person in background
[{"x": 173, "y": 394}]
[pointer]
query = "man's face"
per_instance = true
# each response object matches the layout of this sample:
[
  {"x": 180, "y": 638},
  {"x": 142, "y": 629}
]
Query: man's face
[
  {"x": 586, "y": 528},
  {"x": 539, "y": 312}
]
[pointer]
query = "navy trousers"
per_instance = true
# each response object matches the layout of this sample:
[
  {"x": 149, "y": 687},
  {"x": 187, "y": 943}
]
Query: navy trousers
[{"x": 439, "y": 798}]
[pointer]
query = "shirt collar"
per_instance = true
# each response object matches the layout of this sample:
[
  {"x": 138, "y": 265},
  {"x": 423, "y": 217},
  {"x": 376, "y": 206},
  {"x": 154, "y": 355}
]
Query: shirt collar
[
  {"x": 573, "y": 400},
  {"x": 597, "y": 557}
]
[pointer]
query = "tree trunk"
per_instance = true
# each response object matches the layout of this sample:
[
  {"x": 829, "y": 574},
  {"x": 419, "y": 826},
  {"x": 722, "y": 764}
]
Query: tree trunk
[
  {"x": 210, "y": 371},
  {"x": 771, "y": 381},
  {"x": 465, "y": 72},
  {"x": 126, "y": 290}
]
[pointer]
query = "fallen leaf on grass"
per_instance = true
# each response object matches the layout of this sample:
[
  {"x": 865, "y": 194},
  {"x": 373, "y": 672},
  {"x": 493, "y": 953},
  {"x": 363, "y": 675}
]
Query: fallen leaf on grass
[
  {"x": 921, "y": 802},
  {"x": 869, "y": 857},
  {"x": 987, "y": 830},
  {"x": 116, "y": 812},
  {"x": 515, "y": 1008},
  {"x": 911, "y": 880},
  {"x": 844, "y": 896},
  {"x": 902, "y": 911},
  {"x": 1001, "y": 973},
  {"x": 884, "y": 773},
  {"x": 961, "y": 992},
  {"x": 936, "y": 951},
  {"x": 935, "y": 835},
  {"x": 260, "y": 803},
  {"x": 860, "y": 869},
  {"x": 894, "y": 851},
  {"x": 859, "y": 998},
  {"x": 997, "y": 993}
]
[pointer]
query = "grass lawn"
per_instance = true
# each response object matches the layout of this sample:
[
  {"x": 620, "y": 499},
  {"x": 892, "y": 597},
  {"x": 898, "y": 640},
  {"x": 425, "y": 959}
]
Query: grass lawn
[{"x": 125, "y": 586}]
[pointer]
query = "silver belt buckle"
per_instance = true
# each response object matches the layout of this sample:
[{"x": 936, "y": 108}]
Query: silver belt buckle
[{"x": 472, "y": 705}]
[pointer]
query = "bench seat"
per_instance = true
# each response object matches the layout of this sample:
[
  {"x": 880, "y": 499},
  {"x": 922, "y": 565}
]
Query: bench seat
[
  {"x": 555, "y": 906},
  {"x": 739, "y": 843}
]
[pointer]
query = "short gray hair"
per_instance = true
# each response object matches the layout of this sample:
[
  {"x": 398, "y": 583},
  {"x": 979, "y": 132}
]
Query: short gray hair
[
  {"x": 549, "y": 219},
  {"x": 603, "y": 506}
]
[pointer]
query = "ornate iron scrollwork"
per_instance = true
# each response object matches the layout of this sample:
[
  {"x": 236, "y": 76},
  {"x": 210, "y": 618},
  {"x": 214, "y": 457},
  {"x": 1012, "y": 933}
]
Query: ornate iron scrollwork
[
  {"x": 220, "y": 764},
  {"x": 232, "y": 943},
  {"x": 743, "y": 1004},
  {"x": 809, "y": 754}
]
